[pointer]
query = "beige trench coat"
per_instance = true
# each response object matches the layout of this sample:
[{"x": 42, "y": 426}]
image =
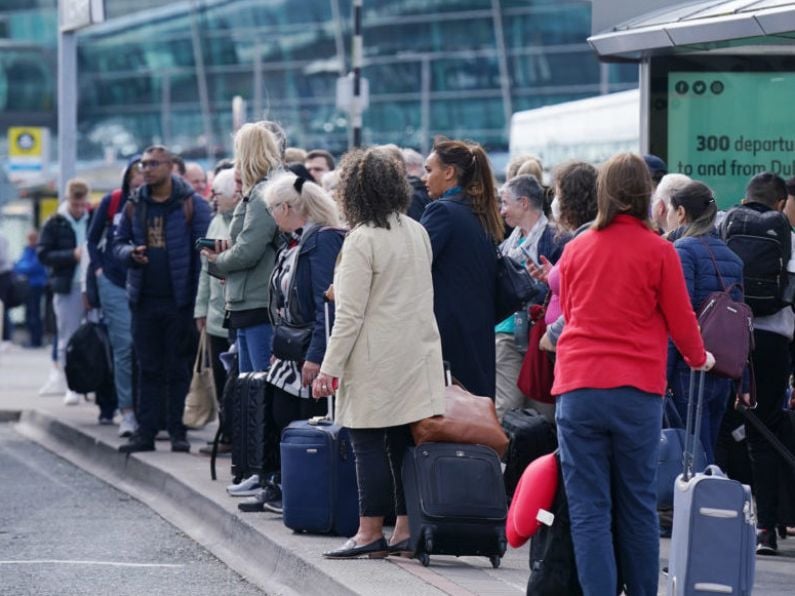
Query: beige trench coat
[{"x": 385, "y": 345}]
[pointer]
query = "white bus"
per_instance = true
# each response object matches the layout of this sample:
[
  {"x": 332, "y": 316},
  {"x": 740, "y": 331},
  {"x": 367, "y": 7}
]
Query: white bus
[{"x": 590, "y": 129}]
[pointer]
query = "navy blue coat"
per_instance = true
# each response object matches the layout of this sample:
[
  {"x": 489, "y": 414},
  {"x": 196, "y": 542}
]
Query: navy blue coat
[
  {"x": 464, "y": 278},
  {"x": 702, "y": 278},
  {"x": 314, "y": 272},
  {"x": 183, "y": 258}
]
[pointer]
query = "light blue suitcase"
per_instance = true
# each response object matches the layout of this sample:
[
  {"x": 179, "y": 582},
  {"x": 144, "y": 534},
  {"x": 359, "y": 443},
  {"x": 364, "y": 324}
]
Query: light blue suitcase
[{"x": 714, "y": 531}]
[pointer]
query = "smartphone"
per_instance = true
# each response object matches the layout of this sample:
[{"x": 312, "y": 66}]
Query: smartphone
[{"x": 205, "y": 243}]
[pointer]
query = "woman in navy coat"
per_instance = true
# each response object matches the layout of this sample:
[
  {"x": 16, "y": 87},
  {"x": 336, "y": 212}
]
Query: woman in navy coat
[
  {"x": 709, "y": 266},
  {"x": 464, "y": 225}
]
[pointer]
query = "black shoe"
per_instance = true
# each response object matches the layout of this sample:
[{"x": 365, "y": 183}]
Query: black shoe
[
  {"x": 137, "y": 443},
  {"x": 180, "y": 445},
  {"x": 400, "y": 549},
  {"x": 274, "y": 506},
  {"x": 269, "y": 494},
  {"x": 351, "y": 550},
  {"x": 766, "y": 542},
  {"x": 782, "y": 531}
]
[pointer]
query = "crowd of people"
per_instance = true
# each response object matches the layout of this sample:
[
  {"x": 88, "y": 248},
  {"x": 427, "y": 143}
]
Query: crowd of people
[{"x": 627, "y": 252}]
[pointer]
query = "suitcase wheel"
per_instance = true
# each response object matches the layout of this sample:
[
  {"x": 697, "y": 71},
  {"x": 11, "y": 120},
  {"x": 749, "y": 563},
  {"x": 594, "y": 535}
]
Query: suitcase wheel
[
  {"x": 495, "y": 561},
  {"x": 425, "y": 559},
  {"x": 428, "y": 540}
]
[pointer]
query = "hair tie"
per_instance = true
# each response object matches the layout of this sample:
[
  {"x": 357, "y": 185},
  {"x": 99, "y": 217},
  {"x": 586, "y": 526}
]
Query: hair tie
[{"x": 299, "y": 184}]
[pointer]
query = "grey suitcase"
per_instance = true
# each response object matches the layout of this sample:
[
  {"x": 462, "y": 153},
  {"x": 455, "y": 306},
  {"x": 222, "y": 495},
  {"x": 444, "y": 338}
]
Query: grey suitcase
[{"x": 714, "y": 531}]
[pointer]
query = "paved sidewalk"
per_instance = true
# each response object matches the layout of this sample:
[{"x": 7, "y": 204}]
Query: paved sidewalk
[{"x": 258, "y": 546}]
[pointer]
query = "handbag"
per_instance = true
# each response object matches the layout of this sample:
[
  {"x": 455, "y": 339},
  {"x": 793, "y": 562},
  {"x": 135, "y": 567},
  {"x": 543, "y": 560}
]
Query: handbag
[
  {"x": 514, "y": 287},
  {"x": 467, "y": 418},
  {"x": 201, "y": 402},
  {"x": 538, "y": 371},
  {"x": 291, "y": 342},
  {"x": 726, "y": 328}
]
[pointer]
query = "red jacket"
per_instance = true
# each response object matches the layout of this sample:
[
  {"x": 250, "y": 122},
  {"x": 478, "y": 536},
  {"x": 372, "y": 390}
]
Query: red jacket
[{"x": 623, "y": 293}]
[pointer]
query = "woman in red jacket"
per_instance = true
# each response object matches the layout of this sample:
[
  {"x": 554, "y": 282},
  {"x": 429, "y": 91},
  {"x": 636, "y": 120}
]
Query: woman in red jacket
[{"x": 622, "y": 295}]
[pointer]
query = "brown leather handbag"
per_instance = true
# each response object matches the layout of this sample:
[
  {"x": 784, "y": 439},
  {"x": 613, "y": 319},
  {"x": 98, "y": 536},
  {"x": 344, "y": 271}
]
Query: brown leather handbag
[{"x": 467, "y": 418}]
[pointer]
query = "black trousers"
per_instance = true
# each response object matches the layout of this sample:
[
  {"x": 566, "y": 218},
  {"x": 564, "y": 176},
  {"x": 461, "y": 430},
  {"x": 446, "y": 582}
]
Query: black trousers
[
  {"x": 771, "y": 359},
  {"x": 379, "y": 458}
]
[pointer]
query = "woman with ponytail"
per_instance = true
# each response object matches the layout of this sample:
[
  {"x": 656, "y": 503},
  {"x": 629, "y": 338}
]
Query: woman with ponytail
[
  {"x": 464, "y": 224},
  {"x": 709, "y": 266}
]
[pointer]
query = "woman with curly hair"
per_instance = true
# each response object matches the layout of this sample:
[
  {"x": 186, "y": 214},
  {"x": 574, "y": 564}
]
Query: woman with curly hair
[
  {"x": 383, "y": 294},
  {"x": 464, "y": 224}
]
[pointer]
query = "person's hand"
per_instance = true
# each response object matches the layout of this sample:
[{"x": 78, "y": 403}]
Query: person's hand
[
  {"x": 221, "y": 245},
  {"x": 744, "y": 399},
  {"x": 546, "y": 344},
  {"x": 540, "y": 272},
  {"x": 201, "y": 323},
  {"x": 86, "y": 304},
  {"x": 309, "y": 373},
  {"x": 98, "y": 272},
  {"x": 323, "y": 386},
  {"x": 210, "y": 255},
  {"x": 329, "y": 294},
  {"x": 139, "y": 255},
  {"x": 78, "y": 253},
  {"x": 708, "y": 363}
]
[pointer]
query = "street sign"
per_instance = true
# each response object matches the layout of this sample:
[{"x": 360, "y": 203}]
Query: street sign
[
  {"x": 345, "y": 93},
  {"x": 76, "y": 14},
  {"x": 28, "y": 151}
]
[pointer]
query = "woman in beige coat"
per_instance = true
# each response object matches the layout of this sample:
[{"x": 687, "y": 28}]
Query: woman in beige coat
[{"x": 385, "y": 349}]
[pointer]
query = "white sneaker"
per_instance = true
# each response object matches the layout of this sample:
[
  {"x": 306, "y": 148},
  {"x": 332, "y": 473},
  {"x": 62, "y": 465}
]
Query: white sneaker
[
  {"x": 246, "y": 488},
  {"x": 128, "y": 424},
  {"x": 71, "y": 398},
  {"x": 56, "y": 383}
]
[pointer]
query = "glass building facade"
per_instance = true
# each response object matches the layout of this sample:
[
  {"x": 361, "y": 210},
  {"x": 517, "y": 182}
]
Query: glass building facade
[{"x": 168, "y": 71}]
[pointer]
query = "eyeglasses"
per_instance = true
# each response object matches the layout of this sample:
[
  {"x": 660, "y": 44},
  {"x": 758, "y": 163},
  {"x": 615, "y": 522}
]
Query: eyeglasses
[
  {"x": 273, "y": 208},
  {"x": 151, "y": 164}
]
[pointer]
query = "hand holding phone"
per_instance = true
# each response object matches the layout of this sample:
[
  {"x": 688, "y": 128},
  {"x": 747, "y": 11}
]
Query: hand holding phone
[
  {"x": 139, "y": 255},
  {"x": 208, "y": 243}
]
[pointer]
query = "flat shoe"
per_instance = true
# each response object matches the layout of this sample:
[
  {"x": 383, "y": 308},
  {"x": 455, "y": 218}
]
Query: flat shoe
[
  {"x": 400, "y": 549},
  {"x": 351, "y": 550}
]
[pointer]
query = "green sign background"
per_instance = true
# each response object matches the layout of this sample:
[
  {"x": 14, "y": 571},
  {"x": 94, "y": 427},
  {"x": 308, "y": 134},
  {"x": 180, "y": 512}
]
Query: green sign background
[{"x": 725, "y": 127}]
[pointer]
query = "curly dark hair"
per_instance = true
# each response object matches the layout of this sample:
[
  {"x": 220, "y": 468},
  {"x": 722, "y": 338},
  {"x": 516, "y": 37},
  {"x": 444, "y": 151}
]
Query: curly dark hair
[
  {"x": 373, "y": 186},
  {"x": 576, "y": 182}
]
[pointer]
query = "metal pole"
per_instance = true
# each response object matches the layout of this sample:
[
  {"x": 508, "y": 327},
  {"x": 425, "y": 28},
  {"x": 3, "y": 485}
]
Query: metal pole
[
  {"x": 425, "y": 105},
  {"x": 356, "y": 62},
  {"x": 644, "y": 83},
  {"x": 502, "y": 61},
  {"x": 201, "y": 81},
  {"x": 67, "y": 108},
  {"x": 259, "y": 112},
  {"x": 165, "y": 107}
]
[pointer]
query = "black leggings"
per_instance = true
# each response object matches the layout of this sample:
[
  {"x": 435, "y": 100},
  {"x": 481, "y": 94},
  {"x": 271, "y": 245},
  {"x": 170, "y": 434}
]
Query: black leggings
[{"x": 379, "y": 458}]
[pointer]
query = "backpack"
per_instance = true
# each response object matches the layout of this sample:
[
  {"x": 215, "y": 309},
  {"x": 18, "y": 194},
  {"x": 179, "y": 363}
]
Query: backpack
[
  {"x": 89, "y": 365},
  {"x": 113, "y": 206},
  {"x": 762, "y": 241}
]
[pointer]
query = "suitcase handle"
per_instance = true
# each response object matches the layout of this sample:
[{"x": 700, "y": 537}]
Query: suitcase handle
[
  {"x": 693, "y": 429},
  {"x": 329, "y": 417}
]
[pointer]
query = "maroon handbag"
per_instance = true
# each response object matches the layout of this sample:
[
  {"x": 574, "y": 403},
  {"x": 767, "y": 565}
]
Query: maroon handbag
[
  {"x": 727, "y": 329},
  {"x": 538, "y": 372}
]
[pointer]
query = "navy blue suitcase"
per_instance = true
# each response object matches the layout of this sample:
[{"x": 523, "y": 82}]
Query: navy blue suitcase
[
  {"x": 319, "y": 490},
  {"x": 455, "y": 500}
]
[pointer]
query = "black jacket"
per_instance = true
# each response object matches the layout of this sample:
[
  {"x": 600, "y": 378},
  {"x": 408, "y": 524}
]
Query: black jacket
[
  {"x": 419, "y": 198},
  {"x": 56, "y": 249}
]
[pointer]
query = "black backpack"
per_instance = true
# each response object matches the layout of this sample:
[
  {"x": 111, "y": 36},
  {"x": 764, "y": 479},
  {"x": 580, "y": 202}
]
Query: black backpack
[
  {"x": 89, "y": 364},
  {"x": 762, "y": 240}
]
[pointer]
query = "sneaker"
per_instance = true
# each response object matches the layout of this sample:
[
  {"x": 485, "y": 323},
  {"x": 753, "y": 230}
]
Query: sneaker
[
  {"x": 136, "y": 444},
  {"x": 128, "y": 425},
  {"x": 766, "y": 542},
  {"x": 180, "y": 445},
  {"x": 270, "y": 494},
  {"x": 246, "y": 488},
  {"x": 105, "y": 420},
  {"x": 274, "y": 506},
  {"x": 162, "y": 435},
  {"x": 56, "y": 383},
  {"x": 71, "y": 398}
]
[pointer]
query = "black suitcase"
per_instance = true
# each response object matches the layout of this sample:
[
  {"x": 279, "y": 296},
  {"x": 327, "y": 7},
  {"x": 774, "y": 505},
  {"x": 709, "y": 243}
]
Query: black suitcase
[
  {"x": 255, "y": 444},
  {"x": 532, "y": 436},
  {"x": 455, "y": 501}
]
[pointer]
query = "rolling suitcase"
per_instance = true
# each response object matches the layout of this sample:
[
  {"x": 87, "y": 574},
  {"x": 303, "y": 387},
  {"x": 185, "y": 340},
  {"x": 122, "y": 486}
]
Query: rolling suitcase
[
  {"x": 714, "y": 531},
  {"x": 532, "y": 436},
  {"x": 319, "y": 490},
  {"x": 455, "y": 500},
  {"x": 254, "y": 449}
]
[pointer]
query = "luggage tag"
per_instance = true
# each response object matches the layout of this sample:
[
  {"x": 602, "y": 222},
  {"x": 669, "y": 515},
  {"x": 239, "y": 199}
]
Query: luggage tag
[
  {"x": 738, "y": 434},
  {"x": 545, "y": 517}
]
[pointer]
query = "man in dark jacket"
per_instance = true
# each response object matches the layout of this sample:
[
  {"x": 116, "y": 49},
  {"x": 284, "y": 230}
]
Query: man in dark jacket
[
  {"x": 415, "y": 170},
  {"x": 155, "y": 238},
  {"x": 60, "y": 249},
  {"x": 111, "y": 277}
]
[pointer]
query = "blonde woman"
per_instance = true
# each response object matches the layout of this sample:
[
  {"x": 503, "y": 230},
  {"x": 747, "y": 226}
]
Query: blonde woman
[{"x": 246, "y": 260}]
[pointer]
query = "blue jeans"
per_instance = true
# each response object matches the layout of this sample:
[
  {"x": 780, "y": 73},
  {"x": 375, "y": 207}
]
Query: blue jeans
[
  {"x": 254, "y": 347},
  {"x": 609, "y": 443},
  {"x": 716, "y": 398},
  {"x": 116, "y": 313},
  {"x": 165, "y": 346},
  {"x": 33, "y": 316}
]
